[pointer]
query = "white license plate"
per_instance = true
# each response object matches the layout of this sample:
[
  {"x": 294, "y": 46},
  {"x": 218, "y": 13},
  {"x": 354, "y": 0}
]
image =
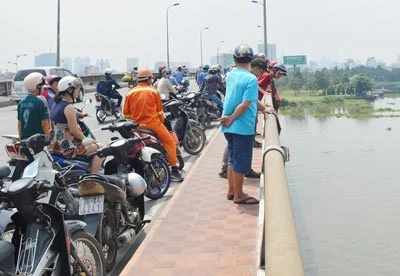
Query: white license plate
[
  {"x": 91, "y": 205},
  {"x": 97, "y": 104}
]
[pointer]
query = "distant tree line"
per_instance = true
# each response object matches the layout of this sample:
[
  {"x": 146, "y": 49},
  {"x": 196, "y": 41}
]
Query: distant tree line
[{"x": 355, "y": 81}]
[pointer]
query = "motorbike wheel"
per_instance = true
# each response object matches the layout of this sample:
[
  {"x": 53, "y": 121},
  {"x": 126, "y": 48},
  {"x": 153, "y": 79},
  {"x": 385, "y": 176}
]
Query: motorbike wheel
[
  {"x": 157, "y": 176},
  {"x": 194, "y": 140},
  {"x": 101, "y": 115},
  {"x": 108, "y": 242},
  {"x": 89, "y": 252}
]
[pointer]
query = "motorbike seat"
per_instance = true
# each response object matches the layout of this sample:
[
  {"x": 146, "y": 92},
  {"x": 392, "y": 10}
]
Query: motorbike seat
[
  {"x": 148, "y": 131},
  {"x": 115, "y": 180},
  {"x": 4, "y": 171}
]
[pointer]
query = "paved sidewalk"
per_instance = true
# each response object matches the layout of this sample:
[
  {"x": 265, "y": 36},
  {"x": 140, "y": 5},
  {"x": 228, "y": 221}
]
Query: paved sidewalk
[{"x": 200, "y": 232}]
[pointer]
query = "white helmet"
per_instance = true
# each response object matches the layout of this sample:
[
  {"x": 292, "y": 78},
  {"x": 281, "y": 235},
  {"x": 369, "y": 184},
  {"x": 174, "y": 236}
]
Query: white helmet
[
  {"x": 107, "y": 71},
  {"x": 67, "y": 82},
  {"x": 32, "y": 81}
]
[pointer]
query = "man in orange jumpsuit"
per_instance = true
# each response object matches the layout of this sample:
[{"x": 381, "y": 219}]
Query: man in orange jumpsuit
[{"x": 143, "y": 105}]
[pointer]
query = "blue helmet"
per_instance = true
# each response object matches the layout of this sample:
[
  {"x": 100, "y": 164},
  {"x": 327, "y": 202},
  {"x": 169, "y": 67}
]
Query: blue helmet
[{"x": 243, "y": 51}]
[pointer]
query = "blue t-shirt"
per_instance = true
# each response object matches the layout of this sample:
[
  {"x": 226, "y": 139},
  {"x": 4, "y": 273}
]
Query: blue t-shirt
[
  {"x": 179, "y": 76},
  {"x": 241, "y": 86}
]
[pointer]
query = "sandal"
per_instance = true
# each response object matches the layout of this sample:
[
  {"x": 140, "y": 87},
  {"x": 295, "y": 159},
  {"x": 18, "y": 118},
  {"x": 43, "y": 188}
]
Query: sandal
[
  {"x": 229, "y": 197},
  {"x": 253, "y": 174},
  {"x": 247, "y": 200}
]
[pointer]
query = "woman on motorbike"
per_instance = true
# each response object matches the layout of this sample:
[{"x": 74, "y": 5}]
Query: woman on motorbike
[{"x": 68, "y": 137}]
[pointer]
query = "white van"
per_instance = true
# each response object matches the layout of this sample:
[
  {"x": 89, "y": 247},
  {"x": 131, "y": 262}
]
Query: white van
[{"x": 18, "y": 91}]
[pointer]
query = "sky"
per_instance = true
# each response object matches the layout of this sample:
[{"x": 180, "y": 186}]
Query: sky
[{"x": 336, "y": 29}]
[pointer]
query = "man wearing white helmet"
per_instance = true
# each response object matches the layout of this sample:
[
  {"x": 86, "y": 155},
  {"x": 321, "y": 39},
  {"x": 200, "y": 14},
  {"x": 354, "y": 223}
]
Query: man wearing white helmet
[
  {"x": 33, "y": 116},
  {"x": 111, "y": 86}
]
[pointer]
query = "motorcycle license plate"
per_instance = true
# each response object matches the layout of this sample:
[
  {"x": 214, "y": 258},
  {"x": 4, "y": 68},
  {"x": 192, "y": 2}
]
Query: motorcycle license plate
[
  {"x": 91, "y": 205},
  {"x": 97, "y": 104}
]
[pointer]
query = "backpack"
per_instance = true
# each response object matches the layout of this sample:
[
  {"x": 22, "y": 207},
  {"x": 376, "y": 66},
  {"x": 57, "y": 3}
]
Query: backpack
[{"x": 101, "y": 87}]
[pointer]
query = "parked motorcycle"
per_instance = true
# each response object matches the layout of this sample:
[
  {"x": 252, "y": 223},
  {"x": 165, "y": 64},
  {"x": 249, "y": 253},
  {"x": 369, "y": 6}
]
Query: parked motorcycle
[
  {"x": 123, "y": 209},
  {"x": 43, "y": 241},
  {"x": 146, "y": 161},
  {"x": 190, "y": 135},
  {"x": 106, "y": 107}
]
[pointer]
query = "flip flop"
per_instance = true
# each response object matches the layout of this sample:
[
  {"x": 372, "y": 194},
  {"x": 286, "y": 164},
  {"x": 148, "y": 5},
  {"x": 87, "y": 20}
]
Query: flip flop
[
  {"x": 247, "y": 200},
  {"x": 229, "y": 197}
]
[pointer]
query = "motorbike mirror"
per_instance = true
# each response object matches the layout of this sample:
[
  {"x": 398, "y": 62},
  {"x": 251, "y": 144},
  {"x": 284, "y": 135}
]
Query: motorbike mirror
[{"x": 87, "y": 141}]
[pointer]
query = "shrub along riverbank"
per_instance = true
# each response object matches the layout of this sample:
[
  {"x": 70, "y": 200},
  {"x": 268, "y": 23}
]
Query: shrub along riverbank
[{"x": 331, "y": 106}]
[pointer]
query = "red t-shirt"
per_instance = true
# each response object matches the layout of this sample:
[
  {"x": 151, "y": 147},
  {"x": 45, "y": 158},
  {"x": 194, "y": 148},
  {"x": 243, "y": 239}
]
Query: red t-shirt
[{"x": 264, "y": 81}]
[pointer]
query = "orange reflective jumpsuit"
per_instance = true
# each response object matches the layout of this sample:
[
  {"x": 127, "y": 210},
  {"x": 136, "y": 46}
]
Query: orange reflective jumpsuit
[{"x": 143, "y": 105}]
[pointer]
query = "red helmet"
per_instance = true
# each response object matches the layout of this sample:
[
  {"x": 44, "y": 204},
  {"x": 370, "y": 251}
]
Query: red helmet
[
  {"x": 273, "y": 63},
  {"x": 162, "y": 67},
  {"x": 52, "y": 78}
]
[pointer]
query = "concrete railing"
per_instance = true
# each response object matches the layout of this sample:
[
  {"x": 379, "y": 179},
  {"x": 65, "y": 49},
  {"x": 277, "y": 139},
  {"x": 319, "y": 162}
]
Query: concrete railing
[
  {"x": 280, "y": 250},
  {"x": 5, "y": 85}
]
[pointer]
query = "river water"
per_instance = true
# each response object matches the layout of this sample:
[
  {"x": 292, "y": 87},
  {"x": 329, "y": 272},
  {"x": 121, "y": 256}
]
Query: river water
[{"x": 344, "y": 180}]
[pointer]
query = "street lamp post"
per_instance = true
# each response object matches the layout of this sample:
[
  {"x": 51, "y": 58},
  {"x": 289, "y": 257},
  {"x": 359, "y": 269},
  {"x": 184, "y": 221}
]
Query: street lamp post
[
  {"x": 173, "y": 5},
  {"x": 58, "y": 34},
  {"x": 16, "y": 61},
  {"x": 218, "y": 50},
  {"x": 201, "y": 45},
  {"x": 264, "y": 5}
]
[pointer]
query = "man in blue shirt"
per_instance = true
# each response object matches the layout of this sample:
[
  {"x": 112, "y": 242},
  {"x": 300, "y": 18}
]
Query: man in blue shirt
[
  {"x": 238, "y": 122},
  {"x": 179, "y": 74},
  {"x": 203, "y": 74}
]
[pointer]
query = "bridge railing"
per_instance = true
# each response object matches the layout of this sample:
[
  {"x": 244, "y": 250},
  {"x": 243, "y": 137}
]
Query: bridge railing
[
  {"x": 5, "y": 85},
  {"x": 280, "y": 250}
]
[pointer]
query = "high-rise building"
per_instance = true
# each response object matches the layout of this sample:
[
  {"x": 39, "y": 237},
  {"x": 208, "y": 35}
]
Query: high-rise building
[
  {"x": 271, "y": 50},
  {"x": 80, "y": 65},
  {"x": 46, "y": 59},
  {"x": 371, "y": 62},
  {"x": 131, "y": 63},
  {"x": 66, "y": 63},
  {"x": 103, "y": 63}
]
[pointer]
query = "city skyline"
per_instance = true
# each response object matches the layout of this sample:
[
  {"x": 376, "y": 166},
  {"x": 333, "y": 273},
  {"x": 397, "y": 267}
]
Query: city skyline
[{"x": 338, "y": 30}]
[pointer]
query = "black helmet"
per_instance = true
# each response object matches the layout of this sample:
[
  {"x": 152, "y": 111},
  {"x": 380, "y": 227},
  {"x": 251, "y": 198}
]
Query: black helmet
[
  {"x": 243, "y": 52},
  {"x": 281, "y": 68},
  {"x": 213, "y": 70}
]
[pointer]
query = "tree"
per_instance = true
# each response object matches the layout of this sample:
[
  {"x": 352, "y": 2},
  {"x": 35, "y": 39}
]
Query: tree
[{"x": 361, "y": 83}]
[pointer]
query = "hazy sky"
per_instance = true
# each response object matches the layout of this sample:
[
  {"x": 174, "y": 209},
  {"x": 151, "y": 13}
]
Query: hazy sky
[{"x": 337, "y": 29}]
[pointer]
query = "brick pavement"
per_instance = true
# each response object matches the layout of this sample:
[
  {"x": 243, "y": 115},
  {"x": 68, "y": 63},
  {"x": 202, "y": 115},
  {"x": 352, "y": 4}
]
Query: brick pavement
[{"x": 200, "y": 232}]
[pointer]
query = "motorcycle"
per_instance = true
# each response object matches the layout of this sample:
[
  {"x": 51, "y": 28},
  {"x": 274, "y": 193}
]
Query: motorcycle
[
  {"x": 210, "y": 112},
  {"x": 106, "y": 107},
  {"x": 146, "y": 161},
  {"x": 123, "y": 205},
  {"x": 19, "y": 155},
  {"x": 44, "y": 239},
  {"x": 130, "y": 129},
  {"x": 190, "y": 135}
]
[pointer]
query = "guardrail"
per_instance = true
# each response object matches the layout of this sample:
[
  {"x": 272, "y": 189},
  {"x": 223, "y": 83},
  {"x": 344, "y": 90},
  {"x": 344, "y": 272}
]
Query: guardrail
[
  {"x": 280, "y": 251},
  {"x": 5, "y": 85}
]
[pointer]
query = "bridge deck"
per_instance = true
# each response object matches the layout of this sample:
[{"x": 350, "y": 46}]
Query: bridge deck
[{"x": 200, "y": 232}]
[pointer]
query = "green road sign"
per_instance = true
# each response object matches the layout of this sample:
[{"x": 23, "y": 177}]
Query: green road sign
[{"x": 293, "y": 60}]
